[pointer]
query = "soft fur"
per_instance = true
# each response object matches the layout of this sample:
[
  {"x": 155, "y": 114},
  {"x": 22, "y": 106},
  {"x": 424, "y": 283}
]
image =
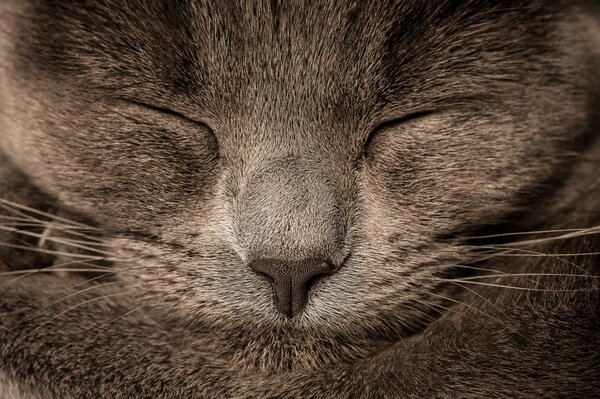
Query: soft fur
[{"x": 442, "y": 155}]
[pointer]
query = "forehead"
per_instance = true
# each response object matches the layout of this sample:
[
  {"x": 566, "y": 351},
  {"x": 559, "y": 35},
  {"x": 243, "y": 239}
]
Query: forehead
[{"x": 232, "y": 54}]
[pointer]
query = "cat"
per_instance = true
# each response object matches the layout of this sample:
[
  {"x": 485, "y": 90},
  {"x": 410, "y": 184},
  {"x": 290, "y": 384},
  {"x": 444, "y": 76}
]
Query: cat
[{"x": 333, "y": 199}]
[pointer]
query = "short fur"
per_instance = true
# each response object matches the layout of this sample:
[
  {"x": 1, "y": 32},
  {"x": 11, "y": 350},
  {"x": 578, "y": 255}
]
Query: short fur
[{"x": 166, "y": 145}]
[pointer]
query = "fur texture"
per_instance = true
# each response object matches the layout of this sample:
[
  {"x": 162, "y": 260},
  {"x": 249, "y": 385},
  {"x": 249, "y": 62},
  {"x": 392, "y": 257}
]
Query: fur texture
[{"x": 160, "y": 147}]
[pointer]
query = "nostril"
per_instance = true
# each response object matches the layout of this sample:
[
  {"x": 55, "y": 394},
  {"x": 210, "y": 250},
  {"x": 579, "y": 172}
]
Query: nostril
[
  {"x": 300, "y": 271},
  {"x": 292, "y": 280}
]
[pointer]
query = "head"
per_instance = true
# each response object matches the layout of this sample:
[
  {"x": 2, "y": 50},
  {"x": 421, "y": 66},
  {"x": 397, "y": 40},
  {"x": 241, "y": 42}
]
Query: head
[{"x": 283, "y": 176}]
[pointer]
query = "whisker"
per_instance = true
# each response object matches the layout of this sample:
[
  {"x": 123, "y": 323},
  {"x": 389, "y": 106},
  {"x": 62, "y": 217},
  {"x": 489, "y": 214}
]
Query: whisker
[
  {"x": 523, "y": 275},
  {"x": 45, "y": 237},
  {"x": 434, "y": 307},
  {"x": 87, "y": 281},
  {"x": 7, "y": 329},
  {"x": 62, "y": 253},
  {"x": 54, "y": 268},
  {"x": 124, "y": 315},
  {"x": 483, "y": 269},
  {"x": 43, "y": 268},
  {"x": 529, "y": 253},
  {"x": 93, "y": 287},
  {"x": 69, "y": 229},
  {"x": 71, "y": 309},
  {"x": 477, "y": 268},
  {"x": 81, "y": 233},
  {"x": 462, "y": 303},
  {"x": 521, "y": 233},
  {"x": 33, "y": 222},
  {"x": 23, "y": 215},
  {"x": 524, "y": 252},
  {"x": 472, "y": 308},
  {"x": 552, "y": 256},
  {"x": 568, "y": 235},
  {"x": 481, "y": 297},
  {"x": 41, "y": 213},
  {"x": 519, "y": 288},
  {"x": 422, "y": 312},
  {"x": 86, "y": 243},
  {"x": 19, "y": 219},
  {"x": 16, "y": 224},
  {"x": 48, "y": 270}
]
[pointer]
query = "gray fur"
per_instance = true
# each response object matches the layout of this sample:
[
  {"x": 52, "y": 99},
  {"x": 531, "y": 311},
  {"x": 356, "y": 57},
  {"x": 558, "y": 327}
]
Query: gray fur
[{"x": 196, "y": 138}]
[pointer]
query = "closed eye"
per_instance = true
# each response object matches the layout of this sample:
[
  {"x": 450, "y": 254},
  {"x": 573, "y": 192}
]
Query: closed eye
[
  {"x": 155, "y": 116},
  {"x": 162, "y": 110},
  {"x": 393, "y": 122}
]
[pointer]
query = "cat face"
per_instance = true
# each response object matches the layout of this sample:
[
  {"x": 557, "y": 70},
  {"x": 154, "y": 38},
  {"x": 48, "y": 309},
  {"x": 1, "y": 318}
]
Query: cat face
[{"x": 255, "y": 162}]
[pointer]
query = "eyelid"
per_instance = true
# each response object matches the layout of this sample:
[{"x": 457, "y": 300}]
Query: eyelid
[
  {"x": 154, "y": 123},
  {"x": 406, "y": 118},
  {"x": 396, "y": 121},
  {"x": 163, "y": 110}
]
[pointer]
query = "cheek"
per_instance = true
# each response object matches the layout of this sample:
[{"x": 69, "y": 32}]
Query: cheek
[{"x": 141, "y": 177}]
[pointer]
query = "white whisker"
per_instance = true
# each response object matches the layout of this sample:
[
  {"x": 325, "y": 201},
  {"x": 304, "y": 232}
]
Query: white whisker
[
  {"x": 49, "y": 270},
  {"x": 470, "y": 307},
  {"x": 520, "y": 288},
  {"x": 566, "y": 236},
  {"x": 523, "y": 275},
  {"x": 481, "y": 297},
  {"x": 45, "y": 237},
  {"x": 93, "y": 287},
  {"x": 71, "y": 309},
  {"x": 41, "y": 213},
  {"x": 63, "y": 254},
  {"x": 124, "y": 315},
  {"x": 521, "y": 233},
  {"x": 507, "y": 251}
]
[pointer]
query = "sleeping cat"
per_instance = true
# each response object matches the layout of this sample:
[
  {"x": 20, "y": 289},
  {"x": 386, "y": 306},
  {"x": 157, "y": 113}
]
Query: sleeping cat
[{"x": 299, "y": 199}]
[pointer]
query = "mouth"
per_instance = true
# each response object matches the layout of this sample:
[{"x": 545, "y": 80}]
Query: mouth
[
  {"x": 255, "y": 335},
  {"x": 289, "y": 346}
]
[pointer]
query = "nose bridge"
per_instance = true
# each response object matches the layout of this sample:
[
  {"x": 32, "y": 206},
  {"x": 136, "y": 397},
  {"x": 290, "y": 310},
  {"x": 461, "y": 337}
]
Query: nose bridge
[{"x": 288, "y": 208}]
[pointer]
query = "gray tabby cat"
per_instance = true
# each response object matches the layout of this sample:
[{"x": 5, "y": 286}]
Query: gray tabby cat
[{"x": 299, "y": 199}]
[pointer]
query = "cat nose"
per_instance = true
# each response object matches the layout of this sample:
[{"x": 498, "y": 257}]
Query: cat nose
[{"x": 292, "y": 280}]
